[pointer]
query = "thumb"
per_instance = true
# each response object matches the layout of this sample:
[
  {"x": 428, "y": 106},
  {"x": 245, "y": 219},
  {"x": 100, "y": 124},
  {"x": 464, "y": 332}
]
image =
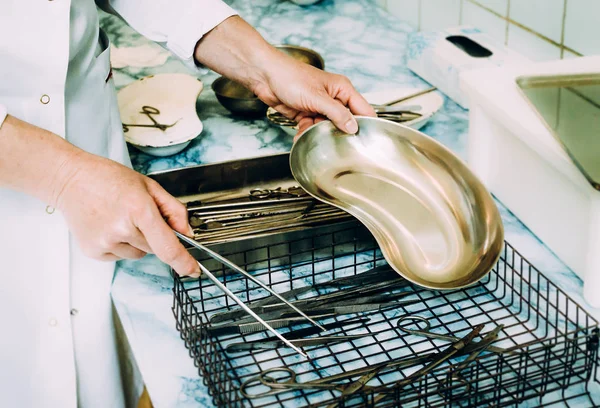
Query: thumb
[
  {"x": 341, "y": 117},
  {"x": 172, "y": 210}
]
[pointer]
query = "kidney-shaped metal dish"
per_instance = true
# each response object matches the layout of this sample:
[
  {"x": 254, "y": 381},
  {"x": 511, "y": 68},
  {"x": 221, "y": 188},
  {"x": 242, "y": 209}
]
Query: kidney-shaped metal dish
[{"x": 435, "y": 222}]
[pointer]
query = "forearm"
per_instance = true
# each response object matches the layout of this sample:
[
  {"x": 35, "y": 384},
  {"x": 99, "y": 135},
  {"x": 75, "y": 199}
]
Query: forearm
[
  {"x": 33, "y": 160},
  {"x": 235, "y": 49}
]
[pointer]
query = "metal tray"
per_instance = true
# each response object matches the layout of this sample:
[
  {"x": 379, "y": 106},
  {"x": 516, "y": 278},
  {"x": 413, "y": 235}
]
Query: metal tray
[
  {"x": 230, "y": 179},
  {"x": 221, "y": 180}
]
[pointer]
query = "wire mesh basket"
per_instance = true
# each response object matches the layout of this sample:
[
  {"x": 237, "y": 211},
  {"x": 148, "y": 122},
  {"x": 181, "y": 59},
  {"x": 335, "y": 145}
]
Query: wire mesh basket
[{"x": 553, "y": 341}]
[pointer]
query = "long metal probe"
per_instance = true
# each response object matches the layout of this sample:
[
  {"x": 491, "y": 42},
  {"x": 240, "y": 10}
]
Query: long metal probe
[
  {"x": 236, "y": 268},
  {"x": 248, "y": 310}
]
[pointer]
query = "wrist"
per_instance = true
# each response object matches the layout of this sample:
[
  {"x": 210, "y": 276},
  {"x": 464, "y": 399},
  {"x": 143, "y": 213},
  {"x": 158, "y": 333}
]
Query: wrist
[
  {"x": 68, "y": 165},
  {"x": 262, "y": 66},
  {"x": 236, "y": 50}
]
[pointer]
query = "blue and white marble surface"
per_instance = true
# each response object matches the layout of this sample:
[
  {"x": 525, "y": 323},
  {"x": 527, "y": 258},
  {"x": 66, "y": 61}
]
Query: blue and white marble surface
[{"x": 356, "y": 38}]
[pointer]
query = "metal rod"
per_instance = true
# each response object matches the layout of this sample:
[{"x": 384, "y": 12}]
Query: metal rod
[
  {"x": 265, "y": 219},
  {"x": 267, "y": 227},
  {"x": 248, "y": 203},
  {"x": 407, "y": 97},
  {"x": 250, "y": 210},
  {"x": 236, "y": 268},
  {"x": 248, "y": 310}
]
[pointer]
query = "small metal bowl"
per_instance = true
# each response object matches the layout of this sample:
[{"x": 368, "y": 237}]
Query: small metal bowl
[
  {"x": 303, "y": 54},
  {"x": 238, "y": 99},
  {"x": 305, "y": 2},
  {"x": 435, "y": 222}
]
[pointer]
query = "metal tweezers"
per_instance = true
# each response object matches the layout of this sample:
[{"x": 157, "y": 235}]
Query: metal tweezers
[
  {"x": 231, "y": 295},
  {"x": 348, "y": 306},
  {"x": 374, "y": 280},
  {"x": 299, "y": 337}
]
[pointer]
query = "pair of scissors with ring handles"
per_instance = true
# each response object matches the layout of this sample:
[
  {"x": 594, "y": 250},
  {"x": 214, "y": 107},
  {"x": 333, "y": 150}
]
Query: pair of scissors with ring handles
[
  {"x": 475, "y": 348},
  {"x": 265, "y": 193},
  {"x": 288, "y": 382},
  {"x": 409, "y": 319},
  {"x": 148, "y": 111}
]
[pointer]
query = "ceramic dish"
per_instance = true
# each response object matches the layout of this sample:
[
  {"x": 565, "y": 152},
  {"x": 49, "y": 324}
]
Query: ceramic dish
[
  {"x": 434, "y": 221},
  {"x": 430, "y": 103},
  {"x": 173, "y": 96},
  {"x": 305, "y": 2}
]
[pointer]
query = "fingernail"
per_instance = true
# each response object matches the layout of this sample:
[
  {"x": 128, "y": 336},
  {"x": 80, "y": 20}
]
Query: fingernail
[
  {"x": 351, "y": 126},
  {"x": 194, "y": 275},
  {"x": 190, "y": 231}
]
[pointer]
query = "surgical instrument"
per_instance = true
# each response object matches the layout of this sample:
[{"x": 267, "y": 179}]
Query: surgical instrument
[
  {"x": 148, "y": 111},
  {"x": 294, "y": 335},
  {"x": 250, "y": 312},
  {"x": 378, "y": 274},
  {"x": 248, "y": 326},
  {"x": 290, "y": 192},
  {"x": 275, "y": 344},
  {"x": 425, "y": 332},
  {"x": 277, "y": 385}
]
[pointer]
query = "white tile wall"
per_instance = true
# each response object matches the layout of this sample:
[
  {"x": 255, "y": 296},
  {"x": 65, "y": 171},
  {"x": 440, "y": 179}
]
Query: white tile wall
[
  {"x": 568, "y": 54},
  {"x": 499, "y": 6},
  {"x": 485, "y": 20},
  {"x": 439, "y": 14},
  {"x": 530, "y": 45},
  {"x": 582, "y": 26},
  {"x": 407, "y": 10},
  {"x": 546, "y": 23},
  {"x": 543, "y": 16}
]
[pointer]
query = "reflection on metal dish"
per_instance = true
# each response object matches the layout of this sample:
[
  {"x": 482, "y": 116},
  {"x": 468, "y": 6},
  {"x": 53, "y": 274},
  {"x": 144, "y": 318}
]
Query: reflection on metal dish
[{"x": 434, "y": 221}]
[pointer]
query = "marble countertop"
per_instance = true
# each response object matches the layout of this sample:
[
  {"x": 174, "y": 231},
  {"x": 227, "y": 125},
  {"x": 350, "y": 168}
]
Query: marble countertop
[{"x": 357, "y": 39}]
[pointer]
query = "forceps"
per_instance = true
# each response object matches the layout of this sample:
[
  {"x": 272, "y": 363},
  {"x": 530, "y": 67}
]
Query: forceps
[
  {"x": 297, "y": 337},
  {"x": 275, "y": 344},
  {"x": 231, "y": 295},
  {"x": 425, "y": 332},
  {"x": 288, "y": 382},
  {"x": 148, "y": 111},
  {"x": 265, "y": 193},
  {"x": 475, "y": 349}
]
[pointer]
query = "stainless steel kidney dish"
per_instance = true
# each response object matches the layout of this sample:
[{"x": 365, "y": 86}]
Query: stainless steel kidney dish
[{"x": 435, "y": 222}]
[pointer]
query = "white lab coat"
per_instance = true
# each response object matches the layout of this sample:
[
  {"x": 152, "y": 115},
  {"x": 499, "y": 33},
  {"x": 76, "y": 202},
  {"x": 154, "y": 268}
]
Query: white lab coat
[{"x": 58, "y": 346}]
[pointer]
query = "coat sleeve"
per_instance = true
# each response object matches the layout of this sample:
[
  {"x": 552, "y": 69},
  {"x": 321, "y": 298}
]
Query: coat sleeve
[{"x": 177, "y": 25}]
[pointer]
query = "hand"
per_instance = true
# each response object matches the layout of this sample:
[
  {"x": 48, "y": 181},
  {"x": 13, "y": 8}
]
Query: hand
[
  {"x": 116, "y": 213},
  {"x": 297, "y": 90},
  {"x": 308, "y": 95}
]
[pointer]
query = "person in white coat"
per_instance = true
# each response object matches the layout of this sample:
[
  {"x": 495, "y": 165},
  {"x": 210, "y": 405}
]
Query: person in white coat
[{"x": 70, "y": 205}]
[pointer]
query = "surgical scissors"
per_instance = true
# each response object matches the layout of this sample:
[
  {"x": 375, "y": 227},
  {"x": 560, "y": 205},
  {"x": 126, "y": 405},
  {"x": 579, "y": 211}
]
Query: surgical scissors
[
  {"x": 266, "y": 193},
  {"x": 148, "y": 111},
  {"x": 455, "y": 374},
  {"x": 288, "y": 382},
  {"x": 425, "y": 332}
]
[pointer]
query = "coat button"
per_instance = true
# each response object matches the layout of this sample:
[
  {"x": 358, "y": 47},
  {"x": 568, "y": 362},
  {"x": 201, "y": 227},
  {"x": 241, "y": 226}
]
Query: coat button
[
  {"x": 50, "y": 210},
  {"x": 45, "y": 99},
  {"x": 53, "y": 322}
]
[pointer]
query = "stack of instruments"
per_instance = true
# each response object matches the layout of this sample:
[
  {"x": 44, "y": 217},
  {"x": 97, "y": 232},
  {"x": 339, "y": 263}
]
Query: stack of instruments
[{"x": 260, "y": 212}]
